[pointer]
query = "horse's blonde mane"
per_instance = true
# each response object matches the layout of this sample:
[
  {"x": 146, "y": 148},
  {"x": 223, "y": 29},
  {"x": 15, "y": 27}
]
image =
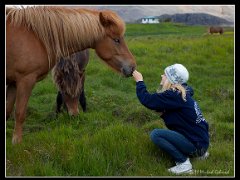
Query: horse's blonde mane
[{"x": 62, "y": 30}]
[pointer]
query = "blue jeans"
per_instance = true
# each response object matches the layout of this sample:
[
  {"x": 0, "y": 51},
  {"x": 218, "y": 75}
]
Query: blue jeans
[{"x": 174, "y": 143}]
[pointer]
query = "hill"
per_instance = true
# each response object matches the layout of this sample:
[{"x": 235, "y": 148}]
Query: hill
[
  {"x": 132, "y": 13},
  {"x": 193, "y": 19}
]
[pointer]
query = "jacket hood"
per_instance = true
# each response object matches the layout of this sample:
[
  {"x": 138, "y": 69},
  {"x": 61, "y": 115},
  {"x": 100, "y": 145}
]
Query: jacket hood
[{"x": 189, "y": 89}]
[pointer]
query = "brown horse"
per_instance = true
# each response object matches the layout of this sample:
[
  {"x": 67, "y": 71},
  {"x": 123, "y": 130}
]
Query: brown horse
[
  {"x": 69, "y": 77},
  {"x": 216, "y": 29},
  {"x": 37, "y": 37}
]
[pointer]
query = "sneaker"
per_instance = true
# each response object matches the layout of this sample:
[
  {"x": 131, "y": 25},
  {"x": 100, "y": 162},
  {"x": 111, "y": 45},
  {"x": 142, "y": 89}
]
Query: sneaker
[
  {"x": 185, "y": 167},
  {"x": 204, "y": 156}
]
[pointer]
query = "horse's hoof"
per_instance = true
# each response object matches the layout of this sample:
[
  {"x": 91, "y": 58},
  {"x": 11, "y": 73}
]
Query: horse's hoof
[{"x": 16, "y": 140}]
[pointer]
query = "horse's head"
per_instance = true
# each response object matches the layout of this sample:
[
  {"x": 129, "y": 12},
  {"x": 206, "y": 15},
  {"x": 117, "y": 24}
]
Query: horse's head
[
  {"x": 112, "y": 48},
  {"x": 69, "y": 76},
  {"x": 71, "y": 91}
]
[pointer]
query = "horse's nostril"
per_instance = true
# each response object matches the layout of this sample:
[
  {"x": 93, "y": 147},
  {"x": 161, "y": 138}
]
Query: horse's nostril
[
  {"x": 133, "y": 68},
  {"x": 124, "y": 71}
]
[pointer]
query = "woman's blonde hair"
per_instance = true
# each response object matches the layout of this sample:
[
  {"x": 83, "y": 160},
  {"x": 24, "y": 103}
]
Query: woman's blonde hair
[{"x": 167, "y": 85}]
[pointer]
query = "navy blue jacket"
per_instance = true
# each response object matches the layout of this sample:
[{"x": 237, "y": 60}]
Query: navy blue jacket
[{"x": 178, "y": 115}]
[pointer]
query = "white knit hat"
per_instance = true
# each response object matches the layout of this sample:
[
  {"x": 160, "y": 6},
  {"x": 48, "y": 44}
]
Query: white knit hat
[{"x": 177, "y": 74}]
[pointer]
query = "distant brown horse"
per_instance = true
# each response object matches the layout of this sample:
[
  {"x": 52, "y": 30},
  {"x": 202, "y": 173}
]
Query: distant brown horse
[
  {"x": 216, "y": 29},
  {"x": 69, "y": 77},
  {"x": 37, "y": 37}
]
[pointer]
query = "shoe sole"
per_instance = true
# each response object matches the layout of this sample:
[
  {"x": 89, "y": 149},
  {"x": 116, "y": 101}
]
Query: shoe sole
[{"x": 185, "y": 172}]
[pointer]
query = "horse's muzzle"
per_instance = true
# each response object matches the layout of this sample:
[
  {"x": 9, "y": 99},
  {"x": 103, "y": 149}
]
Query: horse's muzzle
[
  {"x": 127, "y": 71},
  {"x": 73, "y": 112}
]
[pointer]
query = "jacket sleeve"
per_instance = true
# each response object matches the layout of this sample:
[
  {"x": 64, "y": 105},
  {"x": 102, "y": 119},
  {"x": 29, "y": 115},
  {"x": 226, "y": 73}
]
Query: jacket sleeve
[{"x": 157, "y": 101}]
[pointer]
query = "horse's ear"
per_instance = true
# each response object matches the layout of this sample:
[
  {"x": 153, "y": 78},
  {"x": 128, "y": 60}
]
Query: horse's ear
[{"x": 106, "y": 19}]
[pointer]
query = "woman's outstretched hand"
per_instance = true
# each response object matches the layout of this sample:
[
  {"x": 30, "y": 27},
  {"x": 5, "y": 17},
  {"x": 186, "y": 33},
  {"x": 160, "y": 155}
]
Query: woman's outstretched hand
[{"x": 137, "y": 76}]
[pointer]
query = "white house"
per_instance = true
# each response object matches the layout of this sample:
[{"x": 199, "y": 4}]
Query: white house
[{"x": 149, "y": 19}]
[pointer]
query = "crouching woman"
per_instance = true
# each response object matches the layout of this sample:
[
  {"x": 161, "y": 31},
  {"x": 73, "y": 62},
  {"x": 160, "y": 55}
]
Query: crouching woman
[{"x": 187, "y": 134}]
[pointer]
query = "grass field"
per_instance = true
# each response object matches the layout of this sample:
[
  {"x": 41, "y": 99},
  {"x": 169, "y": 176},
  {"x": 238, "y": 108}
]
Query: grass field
[{"x": 112, "y": 137}]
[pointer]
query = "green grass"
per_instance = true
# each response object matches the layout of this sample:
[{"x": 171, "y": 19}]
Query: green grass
[{"x": 112, "y": 137}]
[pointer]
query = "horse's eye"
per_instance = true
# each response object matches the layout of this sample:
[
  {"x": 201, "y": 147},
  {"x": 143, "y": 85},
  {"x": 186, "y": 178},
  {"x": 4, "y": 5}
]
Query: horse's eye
[{"x": 116, "y": 41}]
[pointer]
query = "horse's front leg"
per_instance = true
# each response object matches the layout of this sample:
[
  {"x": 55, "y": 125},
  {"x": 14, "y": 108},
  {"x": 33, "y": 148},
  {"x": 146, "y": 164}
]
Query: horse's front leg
[
  {"x": 10, "y": 99},
  {"x": 82, "y": 98},
  {"x": 59, "y": 102},
  {"x": 24, "y": 89}
]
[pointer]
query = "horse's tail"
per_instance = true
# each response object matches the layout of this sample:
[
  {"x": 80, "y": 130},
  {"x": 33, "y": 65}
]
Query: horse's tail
[{"x": 221, "y": 31}]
